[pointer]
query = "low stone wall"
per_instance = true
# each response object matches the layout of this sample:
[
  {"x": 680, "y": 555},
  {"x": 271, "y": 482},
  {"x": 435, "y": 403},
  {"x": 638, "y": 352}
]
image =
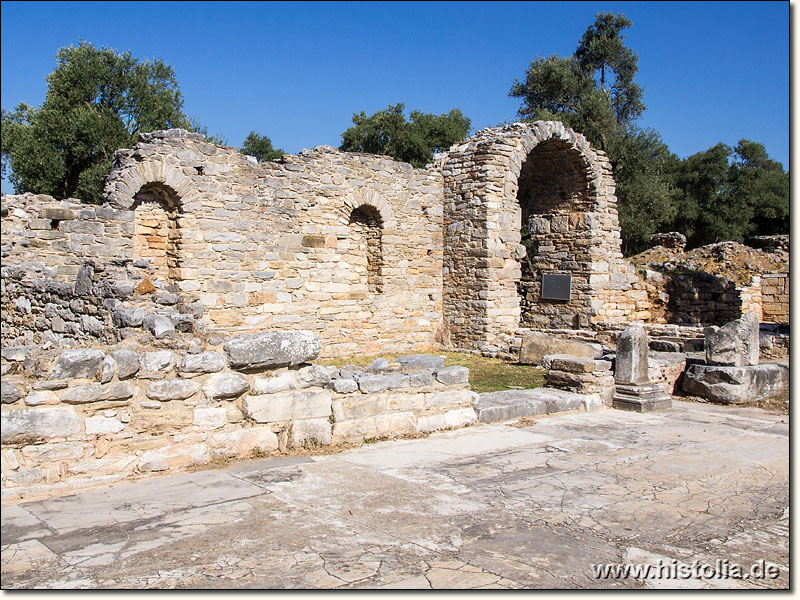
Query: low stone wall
[
  {"x": 775, "y": 298},
  {"x": 91, "y": 416}
]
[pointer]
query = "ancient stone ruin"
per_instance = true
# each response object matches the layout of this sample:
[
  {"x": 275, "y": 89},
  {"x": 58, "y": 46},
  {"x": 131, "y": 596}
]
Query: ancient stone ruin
[{"x": 134, "y": 332}]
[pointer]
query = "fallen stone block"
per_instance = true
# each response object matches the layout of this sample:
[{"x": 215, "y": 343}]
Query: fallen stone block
[
  {"x": 736, "y": 385},
  {"x": 735, "y": 344},
  {"x": 272, "y": 349}
]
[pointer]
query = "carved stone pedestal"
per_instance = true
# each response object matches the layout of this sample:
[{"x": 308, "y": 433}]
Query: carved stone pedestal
[{"x": 640, "y": 398}]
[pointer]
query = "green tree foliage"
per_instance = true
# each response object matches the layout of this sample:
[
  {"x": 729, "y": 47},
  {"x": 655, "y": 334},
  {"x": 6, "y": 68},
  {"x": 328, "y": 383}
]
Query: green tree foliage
[
  {"x": 260, "y": 146},
  {"x": 414, "y": 140},
  {"x": 97, "y": 102},
  {"x": 729, "y": 193}
]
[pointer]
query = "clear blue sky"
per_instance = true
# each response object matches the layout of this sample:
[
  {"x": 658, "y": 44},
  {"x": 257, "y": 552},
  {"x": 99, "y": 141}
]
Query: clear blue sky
[{"x": 711, "y": 71}]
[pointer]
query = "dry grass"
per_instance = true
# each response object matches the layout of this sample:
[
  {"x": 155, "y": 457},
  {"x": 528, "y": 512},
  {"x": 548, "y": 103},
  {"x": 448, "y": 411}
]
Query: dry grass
[{"x": 485, "y": 374}]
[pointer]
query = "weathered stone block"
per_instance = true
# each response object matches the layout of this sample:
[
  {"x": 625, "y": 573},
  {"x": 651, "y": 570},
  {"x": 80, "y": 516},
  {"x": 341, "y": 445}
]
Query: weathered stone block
[
  {"x": 311, "y": 432},
  {"x": 421, "y": 361},
  {"x": 453, "y": 375},
  {"x": 736, "y": 385},
  {"x": 734, "y": 344},
  {"x": 450, "y": 398},
  {"x": 173, "y": 389},
  {"x": 127, "y": 363},
  {"x": 173, "y": 457},
  {"x": 78, "y": 363},
  {"x": 99, "y": 425},
  {"x": 272, "y": 349},
  {"x": 204, "y": 362},
  {"x": 37, "y": 398},
  {"x": 242, "y": 443},
  {"x": 277, "y": 383},
  {"x": 38, "y": 424},
  {"x": 376, "y": 383},
  {"x": 128, "y": 317},
  {"x": 226, "y": 385},
  {"x": 314, "y": 376},
  {"x": 161, "y": 360},
  {"x": 631, "y": 362},
  {"x": 209, "y": 417},
  {"x": 344, "y": 386},
  {"x": 271, "y": 408},
  {"x": 9, "y": 393},
  {"x": 537, "y": 345},
  {"x": 158, "y": 326}
]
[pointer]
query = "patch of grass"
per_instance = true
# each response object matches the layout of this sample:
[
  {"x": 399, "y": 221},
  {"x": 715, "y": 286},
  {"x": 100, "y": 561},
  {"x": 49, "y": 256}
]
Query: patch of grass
[{"x": 485, "y": 374}]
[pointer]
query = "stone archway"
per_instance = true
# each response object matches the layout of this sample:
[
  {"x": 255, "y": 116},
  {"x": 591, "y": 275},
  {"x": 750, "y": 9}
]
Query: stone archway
[
  {"x": 491, "y": 288},
  {"x": 156, "y": 230}
]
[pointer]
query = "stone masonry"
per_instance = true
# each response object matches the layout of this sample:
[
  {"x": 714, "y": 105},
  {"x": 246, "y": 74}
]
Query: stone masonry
[{"x": 364, "y": 250}]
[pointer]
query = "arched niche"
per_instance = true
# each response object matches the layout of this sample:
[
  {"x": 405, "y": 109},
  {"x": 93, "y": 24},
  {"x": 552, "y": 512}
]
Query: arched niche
[{"x": 156, "y": 232}]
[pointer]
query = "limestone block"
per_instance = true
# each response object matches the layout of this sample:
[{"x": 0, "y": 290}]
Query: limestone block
[
  {"x": 271, "y": 408},
  {"x": 631, "y": 362},
  {"x": 311, "y": 432},
  {"x": 78, "y": 363},
  {"x": 173, "y": 457},
  {"x": 735, "y": 343},
  {"x": 570, "y": 364},
  {"x": 377, "y": 365},
  {"x": 243, "y": 443},
  {"x": 421, "y": 361},
  {"x": 460, "y": 417},
  {"x": 38, "y": 424},
  {"x": 344, "y": 386},
  {"x": 314, "y": 376},
  {"x": 209, "y": 417},
  {"x": 127, "y": 363},
  {"x": 108, "y": 369},
  {"x": 128, "y": 317},
  {"x": 108, "y": 465},
  {"x": 396, "y": 424},
  {"x": 99, "y": 425},
  {"x": 376, "y": 383},
  {"x": 172, "y": 389},
  {"x": 277, "y": 383},
  {"x": 452, "y": 398},
  {"x": 427, "y": 423},
  {"x": 736, "y": 385},
  {"x": 161, "y": 360},
  {"x": 272, "y": 349},
  {"x": 421, "y": 379},
  {"x": 226, "y": 385},
  {"x": 158, "y": 325},
  {"x": 453, "y": 375},
  {"x": 96, "y": 392},
  {"x": 537, "y": 345},
  {"x": 37, "y": 398},
  {"x": 9, "y": 392},
  {"x": 56, "y": 451},
  {"x": 204, "y": 362}
]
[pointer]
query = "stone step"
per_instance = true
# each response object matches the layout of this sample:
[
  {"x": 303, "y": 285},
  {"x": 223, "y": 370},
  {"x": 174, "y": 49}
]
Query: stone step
[{"x": 513, "y": 404}]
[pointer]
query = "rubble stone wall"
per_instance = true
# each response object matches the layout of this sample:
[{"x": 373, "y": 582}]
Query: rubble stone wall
[
  {"x": 89, "y": 416},
  {"x": 775, "y": 298},
  {"x": 344, "y": 244}
]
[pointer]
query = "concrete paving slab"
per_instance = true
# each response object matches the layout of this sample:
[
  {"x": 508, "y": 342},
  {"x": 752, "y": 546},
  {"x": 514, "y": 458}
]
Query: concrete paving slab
[{"x": 509, "y": 505}]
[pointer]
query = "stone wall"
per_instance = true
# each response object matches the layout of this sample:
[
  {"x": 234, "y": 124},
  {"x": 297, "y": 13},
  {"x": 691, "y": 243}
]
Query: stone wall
[
  {"x": 775, "y": 298},
  {"x": 345, "y": 244},
  {"x": 90, "y": 416},
  {"x": 565, "y": 188}
]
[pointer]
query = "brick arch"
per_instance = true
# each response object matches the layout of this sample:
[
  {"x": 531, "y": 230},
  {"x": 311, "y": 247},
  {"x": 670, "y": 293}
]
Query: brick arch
[{"x": 484, "y": 302}]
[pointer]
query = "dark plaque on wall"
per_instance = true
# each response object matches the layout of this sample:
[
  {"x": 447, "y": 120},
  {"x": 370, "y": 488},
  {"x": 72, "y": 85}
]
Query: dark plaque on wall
[{"x": 556, "y": 287}]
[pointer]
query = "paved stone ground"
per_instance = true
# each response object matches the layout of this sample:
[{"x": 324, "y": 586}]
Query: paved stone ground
[{"x": 493, "y": 506}]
